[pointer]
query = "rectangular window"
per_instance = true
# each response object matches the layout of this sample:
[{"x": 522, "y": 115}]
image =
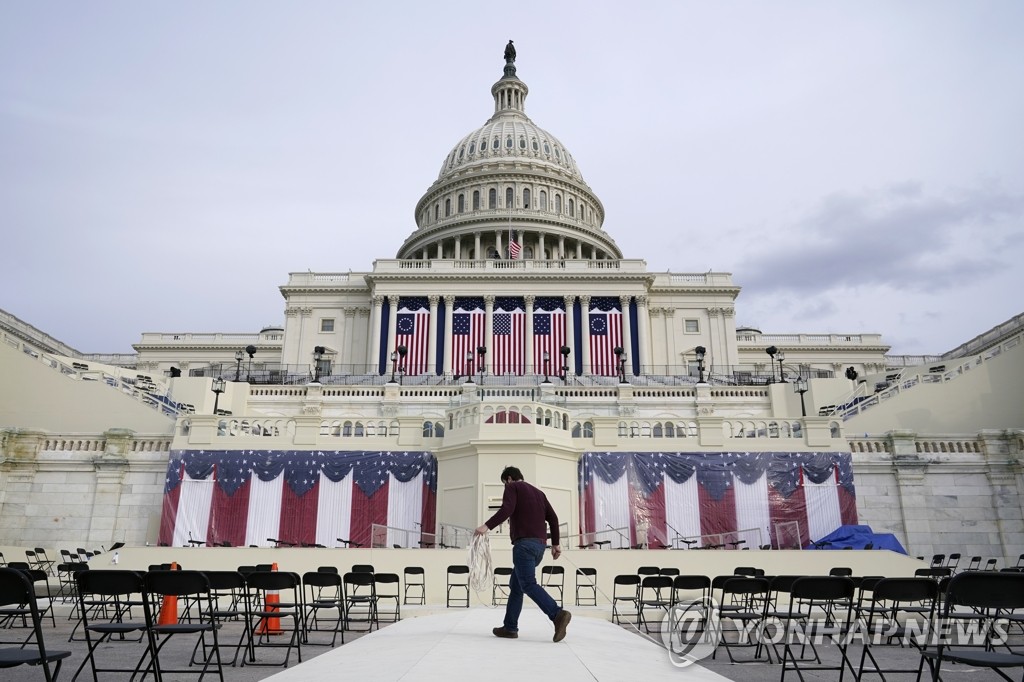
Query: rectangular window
[
  {"x": 691, "y": 326},
  {"x": 327, "y": 324}
]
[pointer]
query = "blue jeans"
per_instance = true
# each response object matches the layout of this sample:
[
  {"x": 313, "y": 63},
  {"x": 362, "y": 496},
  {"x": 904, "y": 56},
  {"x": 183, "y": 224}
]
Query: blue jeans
[{"x": 526, "y": 557}]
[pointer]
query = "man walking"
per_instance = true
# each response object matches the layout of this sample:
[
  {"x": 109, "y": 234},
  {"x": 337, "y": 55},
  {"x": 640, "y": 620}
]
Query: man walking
[{"x": 527, "y": 509}]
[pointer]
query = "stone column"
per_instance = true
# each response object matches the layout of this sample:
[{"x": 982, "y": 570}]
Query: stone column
[
  {"x": 488, "y": 329},
  {"x": 497, "y": 243},
  {"x": 579, "y": 250},
  {"x": 343, "y": 331},
  {"x": 561, "y": 247},
  {"x": 570, "y": 333},
  {"x": 643, "y": 328},
  {"x": 432, "y": 331},
  {"x": 458, "y": 248},
  {"x": 449, "y": 312},
  {"x": 627, "y": 333},
  {"x": 373, "y": 351},
  {"x": 585, "y": 336},
  {"x": 392, "y": 323},
  {"x": 540, "y": 246},
  {"x": 529, "y": 360},
  {"x": 909, "y": 470},
  {"x": 476, "y": 246},
  {"x": 440, "y": 249},
  {"x": 671, "y": 351}
]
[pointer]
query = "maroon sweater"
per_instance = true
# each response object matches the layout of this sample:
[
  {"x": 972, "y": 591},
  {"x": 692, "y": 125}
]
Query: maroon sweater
[{"x": 527, "y": 509}]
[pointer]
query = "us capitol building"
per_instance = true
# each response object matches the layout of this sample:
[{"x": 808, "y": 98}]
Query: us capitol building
[{"x": 509, "y": 329}]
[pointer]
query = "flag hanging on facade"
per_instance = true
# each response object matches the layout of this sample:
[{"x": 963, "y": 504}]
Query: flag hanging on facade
[
  {"x": 548, "y": 334},
  {"x": 297, "y": 497},
  {"x": 514, "y": 247},
  {"x": 786, "y": 499},
  {"x": 605, "y": 335},
  {"x": 507, "y": 324},
  {"x": 468, "y": 321},
  {"x": 412, "y": 325}
]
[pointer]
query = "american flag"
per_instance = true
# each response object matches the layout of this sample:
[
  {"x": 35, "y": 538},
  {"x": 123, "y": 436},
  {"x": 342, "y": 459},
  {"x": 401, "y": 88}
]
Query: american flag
[
  {"x": 548, "y": 334},
  {"x": 412, "y": 326},
  {"x": 514, "y": 248},
  {"x": 507, "y": 350},
  {"x": 468, "y": 320},
  {"x": 605, "y": 335},
  {"x": 244, "y": 497}
]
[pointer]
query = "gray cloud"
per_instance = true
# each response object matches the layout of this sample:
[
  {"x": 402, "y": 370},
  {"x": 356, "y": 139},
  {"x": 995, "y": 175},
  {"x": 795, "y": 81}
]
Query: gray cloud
[{"x": 899, "y": 236}]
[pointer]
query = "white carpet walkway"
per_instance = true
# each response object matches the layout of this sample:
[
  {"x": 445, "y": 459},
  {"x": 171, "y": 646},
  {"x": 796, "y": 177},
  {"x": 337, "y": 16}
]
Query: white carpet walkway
[{"x": 458, "y": 645}]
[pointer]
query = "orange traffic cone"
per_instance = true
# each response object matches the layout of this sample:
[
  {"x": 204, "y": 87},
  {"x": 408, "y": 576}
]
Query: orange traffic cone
[
  {"x": 271, "y": 626},
  {"x": 169, "y": 607}
]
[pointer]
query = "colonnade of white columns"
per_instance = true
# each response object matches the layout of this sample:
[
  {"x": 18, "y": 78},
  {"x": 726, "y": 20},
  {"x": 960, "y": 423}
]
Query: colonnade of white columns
[{"x": 373, "y": 352}]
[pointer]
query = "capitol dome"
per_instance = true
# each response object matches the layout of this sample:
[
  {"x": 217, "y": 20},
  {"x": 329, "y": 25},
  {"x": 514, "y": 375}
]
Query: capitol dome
[{"x": 509, "y": 178}]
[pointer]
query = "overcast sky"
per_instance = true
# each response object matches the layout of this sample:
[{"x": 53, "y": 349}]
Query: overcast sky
[{"x": 857, "y": 166}]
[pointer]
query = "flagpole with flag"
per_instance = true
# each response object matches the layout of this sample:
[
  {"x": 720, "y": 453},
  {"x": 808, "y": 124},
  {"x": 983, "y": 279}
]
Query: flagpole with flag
[{"x": 514, "y": 248}]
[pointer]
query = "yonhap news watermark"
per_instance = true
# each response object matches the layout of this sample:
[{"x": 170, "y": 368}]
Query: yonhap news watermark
[{"x": 692, "y": 631}]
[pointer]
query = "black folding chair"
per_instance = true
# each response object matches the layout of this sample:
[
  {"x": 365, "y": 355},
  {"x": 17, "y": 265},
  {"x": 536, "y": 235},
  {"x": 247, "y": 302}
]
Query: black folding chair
[
  {"x": 655, "y": 593},
  {"x": 815, "y": 602},
  {"x": 388, "y": 587},
  {"x": 743, "y": 603},
  {"x": 178, "y": 584},
  {"x": 415, "y": 582},
  {"x": 499, "y": 585},
  {"x": 990, "y": 597},
  {"x": 272, "y": 599},
  {"x": 586, "y": 586},
  {"x": 17, "y": 597},
  {"x": 111, "y": 604},
  {"x": 901, "y": 609},
  {"x": 322, "y": 593},
  {"x": 625, "y": 591},
  {"x": 552, "y": 578},
  {"x": 360, "y": 600},
  {"x": 457, "y": 581}
]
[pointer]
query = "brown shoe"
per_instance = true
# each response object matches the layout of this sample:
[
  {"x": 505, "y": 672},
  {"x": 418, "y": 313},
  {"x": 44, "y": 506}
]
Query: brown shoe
[
  {"x": 561, "y": 623},
  {"x": 507, "y": 634}
]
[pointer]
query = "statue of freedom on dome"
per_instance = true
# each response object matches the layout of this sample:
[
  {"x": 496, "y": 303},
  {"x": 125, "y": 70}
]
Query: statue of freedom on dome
[{"x": 510, "y": 52}]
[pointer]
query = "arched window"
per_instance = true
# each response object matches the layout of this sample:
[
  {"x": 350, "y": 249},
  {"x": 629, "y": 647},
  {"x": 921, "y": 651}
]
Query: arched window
[
  {"x": 495, "y": 144},
  {"x": 509, "y": 197},
  {"x": 462, "y": 203},
  {"x": 437, "y": 211},
  {"x": 522, "y": 143},
  {"x": 622, "y": 430},
  {"x": 536, "y": 147},
  {"x": 346, "y": 429},
  {"x": 472, "y": 148},
  {"x": 447, "y": 207},
  {"x": 492, "y": 198},
  {"x": 393, "y": 428},
  {"x": 476, "y": 200},
  {"x": 577, "y": 431},
  {"x": 670, "y": 430},
  {"x": 526, "y": 198},
  {"x": 572, "y": 208},
  {"x": 588, "y": 429},
  {"x": 543, "y": 200},
  {"x": 428, "y": 429},
  {"x": 438, "y": 430},
  {"x": 359, "y": 430},
  {"x": 558, "y": 203},
  {"x": 657, "y": 430},
  {"x": 508, "y": 142}
]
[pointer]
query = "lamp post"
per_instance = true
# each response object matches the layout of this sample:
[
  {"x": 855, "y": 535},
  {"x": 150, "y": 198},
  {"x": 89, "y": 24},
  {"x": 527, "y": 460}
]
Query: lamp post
[
  {"x": 402, "y": 351},
  {"x": 318, "y": 355},
  {"x": 780, "y": 356},
  {"x": 239, "y": 356},
  {"x": 701, "y": 351},
  {"x": 800, "y": 386},
  {"x": 394, "y": 363},
  {"x": 218, "y": 388},
  {"x": 771, "y": 351},
  {"x": 547, "y": 363},
  {"x": 564, "y": 350},
  {"x": 469, "y": 367},
  {"x": 251, "y": 350},
  {"x": 482, "y": 362},
  {"x": 620, "y": 361}
]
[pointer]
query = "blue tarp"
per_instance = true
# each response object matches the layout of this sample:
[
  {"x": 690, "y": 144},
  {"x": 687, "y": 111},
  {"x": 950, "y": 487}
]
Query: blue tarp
[{"x": 858, "y": 537}]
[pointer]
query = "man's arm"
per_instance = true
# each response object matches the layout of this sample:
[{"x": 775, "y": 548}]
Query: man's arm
[
  {"x": 508, "y": 505},
  {"x": 552, "y": 520}
]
